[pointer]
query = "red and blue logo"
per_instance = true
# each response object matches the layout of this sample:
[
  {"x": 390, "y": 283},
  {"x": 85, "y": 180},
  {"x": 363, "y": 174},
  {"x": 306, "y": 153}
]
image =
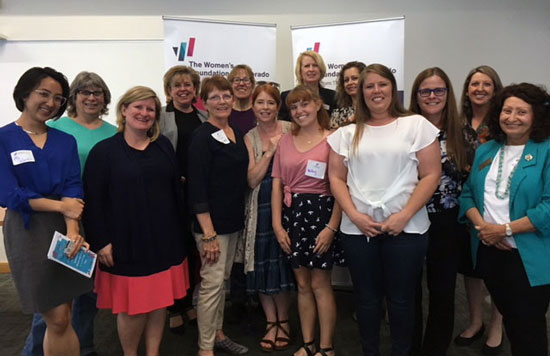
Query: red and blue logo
[
  {"x": 185, "y": 49},
  {"x": 315, "y": 47}
]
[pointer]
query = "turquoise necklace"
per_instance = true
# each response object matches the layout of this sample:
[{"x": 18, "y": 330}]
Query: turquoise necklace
[{"x": 506, "y": 192}]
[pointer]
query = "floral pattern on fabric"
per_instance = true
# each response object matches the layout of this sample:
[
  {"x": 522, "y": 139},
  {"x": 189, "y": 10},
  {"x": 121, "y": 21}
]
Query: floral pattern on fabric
[
  {"x": 303, "y": 221},
  {"x": 341, "y": 116},
  {"x": 450, "y": 186}
]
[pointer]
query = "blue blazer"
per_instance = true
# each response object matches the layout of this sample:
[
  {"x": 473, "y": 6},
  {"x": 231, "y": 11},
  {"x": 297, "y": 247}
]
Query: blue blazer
[{"x": 529, "y": 196}]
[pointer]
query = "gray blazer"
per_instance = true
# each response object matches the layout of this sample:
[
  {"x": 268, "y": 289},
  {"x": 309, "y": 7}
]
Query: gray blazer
[{"x": 168, "y": 125}]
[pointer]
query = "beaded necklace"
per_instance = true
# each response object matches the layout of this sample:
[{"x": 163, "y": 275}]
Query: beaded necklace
[{"x": 506, "y": 192}]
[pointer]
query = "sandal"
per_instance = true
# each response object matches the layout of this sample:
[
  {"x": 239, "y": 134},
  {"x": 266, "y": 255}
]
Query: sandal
[
  {"x": 285, "y": 338},
  {"x": 306, "y": 346},
  {"x": 270, "y": 325},
  {"x": 178, "y": 329},
  {"x": 324, "y": 351}
]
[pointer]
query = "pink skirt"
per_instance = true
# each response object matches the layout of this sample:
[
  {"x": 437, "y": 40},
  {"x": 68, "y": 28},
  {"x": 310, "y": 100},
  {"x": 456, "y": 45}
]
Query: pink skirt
[{"x": 144, "y": 294}]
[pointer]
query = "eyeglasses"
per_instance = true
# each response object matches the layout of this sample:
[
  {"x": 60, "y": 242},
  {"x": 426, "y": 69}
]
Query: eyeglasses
[
  {"x": 437, "y": 92},
  {"x": 273, "y": 84},
  {"x": 244, "y": 80},
  {"x": 95, "y": 93},
  {"x": 46, "y": 95},
  {"x": 217, "y": 98}
]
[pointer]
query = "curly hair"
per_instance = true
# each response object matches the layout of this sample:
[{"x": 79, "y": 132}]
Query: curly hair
[{"x": 534, "y": 95}]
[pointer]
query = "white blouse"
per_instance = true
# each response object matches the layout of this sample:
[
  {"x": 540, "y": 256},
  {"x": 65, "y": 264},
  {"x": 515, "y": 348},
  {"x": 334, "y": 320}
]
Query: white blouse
[
  {"x": 383, "y": 171},
  {"x": 497, "y": 211}
]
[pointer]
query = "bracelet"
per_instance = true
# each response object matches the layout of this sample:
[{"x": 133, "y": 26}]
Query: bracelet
[
  {"x": 331, "y": 228},
  {"x": 209, "y": 239}
]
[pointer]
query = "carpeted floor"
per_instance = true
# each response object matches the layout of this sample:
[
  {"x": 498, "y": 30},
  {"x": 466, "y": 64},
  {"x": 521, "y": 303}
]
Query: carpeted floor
[{"x": 14, "y": 327}]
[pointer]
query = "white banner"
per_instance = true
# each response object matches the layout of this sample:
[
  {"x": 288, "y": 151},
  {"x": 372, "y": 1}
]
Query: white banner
[
  {"x": 375, "y": 41},
  {"x": 214, "y": 47}
]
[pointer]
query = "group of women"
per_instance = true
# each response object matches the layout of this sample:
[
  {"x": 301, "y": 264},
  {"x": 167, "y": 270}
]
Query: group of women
[{"x": 354, "y": 178}]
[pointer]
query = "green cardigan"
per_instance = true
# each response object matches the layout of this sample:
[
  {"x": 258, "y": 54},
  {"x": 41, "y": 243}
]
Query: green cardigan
[{"x": 529, "y": 195}]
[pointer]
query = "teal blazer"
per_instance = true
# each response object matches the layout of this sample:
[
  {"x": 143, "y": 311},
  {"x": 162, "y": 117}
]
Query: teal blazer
[{"x": 529, "y": 196}]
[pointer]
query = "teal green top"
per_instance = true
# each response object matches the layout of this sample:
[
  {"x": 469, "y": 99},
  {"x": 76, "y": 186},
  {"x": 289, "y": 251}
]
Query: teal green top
[
  {"x": 529, "y": 196},
  {"x": 86, "y": 138}
]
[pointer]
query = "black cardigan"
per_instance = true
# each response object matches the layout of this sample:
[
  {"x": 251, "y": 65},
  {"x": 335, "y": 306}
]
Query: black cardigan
[
  {"x": 133, "y": 200},
  {"x": 217, "y": 179}
]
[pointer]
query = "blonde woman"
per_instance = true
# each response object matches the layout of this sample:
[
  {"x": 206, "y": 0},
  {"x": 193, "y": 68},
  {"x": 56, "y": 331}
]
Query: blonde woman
[
  {"x": 310, "y": 70},
  {"x": 133, "y": 222}
]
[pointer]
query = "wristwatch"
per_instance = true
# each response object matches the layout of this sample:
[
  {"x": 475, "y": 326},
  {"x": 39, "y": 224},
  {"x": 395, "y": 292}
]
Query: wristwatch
[{"x": 508, "y": 230}]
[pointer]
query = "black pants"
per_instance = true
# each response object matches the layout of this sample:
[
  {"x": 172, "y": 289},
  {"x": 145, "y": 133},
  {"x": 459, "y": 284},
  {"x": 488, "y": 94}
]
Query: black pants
[
  {"x": 523, "y": 307},
  {"x": 385, "y": 266},
  {"x": 441, "y": 269}
]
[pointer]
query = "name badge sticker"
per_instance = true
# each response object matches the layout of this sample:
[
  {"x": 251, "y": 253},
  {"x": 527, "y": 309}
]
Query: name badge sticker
[
  {"x": 21, "y": 156},
  {"x": 316, "y": 169},
  {"x": 220, "y": 136}
]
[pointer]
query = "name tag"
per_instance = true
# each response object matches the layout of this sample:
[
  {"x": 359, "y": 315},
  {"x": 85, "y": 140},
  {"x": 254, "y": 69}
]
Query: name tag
[
  {"x": 316, "y": 169},
  {"x": 21, "y": 156},
  {"x": 220, "y": 136}
]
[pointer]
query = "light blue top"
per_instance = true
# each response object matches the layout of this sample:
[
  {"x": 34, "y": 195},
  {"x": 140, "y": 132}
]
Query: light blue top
[
  {"x": 529, "y": 196},
  {"x": 86, "y": 138}
]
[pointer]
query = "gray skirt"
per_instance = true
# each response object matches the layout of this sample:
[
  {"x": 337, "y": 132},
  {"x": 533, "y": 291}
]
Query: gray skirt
[{"x": 42, "y": 284}]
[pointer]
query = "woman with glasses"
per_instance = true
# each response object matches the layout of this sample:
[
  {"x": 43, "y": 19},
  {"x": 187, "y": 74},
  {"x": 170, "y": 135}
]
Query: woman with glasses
[
  {"x": 385, "y": 223},
  {"x": 242, "y": 80},
  {"x": 218, "y": 163},
  {"x": 346, "y": 93},
  {"x": 40, "y": 185},
  {"x": 481, "y": 85},
  {"x": 432, "y": 96},
  {"x": 88, "y": 100},
  {"x": 310, "y": 70},
  {"x": 178, "y": 120}
]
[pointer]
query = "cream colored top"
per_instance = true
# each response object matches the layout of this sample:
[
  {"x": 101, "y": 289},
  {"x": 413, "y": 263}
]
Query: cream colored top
[{"x": 383, "y": 171}]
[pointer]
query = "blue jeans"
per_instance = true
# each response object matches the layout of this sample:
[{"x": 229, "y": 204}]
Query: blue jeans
[
  {"x": 84, "y": 312},
  {"x": 385, "y": 267}
]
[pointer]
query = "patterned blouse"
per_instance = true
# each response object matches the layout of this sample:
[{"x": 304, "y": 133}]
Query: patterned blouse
[
  {"x": 452, "y": 179},
  {"x": 341, "y": 116}
]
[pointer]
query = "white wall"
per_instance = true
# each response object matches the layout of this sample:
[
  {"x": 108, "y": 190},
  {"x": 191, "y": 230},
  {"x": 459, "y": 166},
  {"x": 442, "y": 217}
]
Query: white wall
[{"x": 510, "y": 35}]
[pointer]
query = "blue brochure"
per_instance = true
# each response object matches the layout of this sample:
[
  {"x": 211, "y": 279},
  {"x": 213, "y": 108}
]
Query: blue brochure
[{"x": 83, "y": 262}]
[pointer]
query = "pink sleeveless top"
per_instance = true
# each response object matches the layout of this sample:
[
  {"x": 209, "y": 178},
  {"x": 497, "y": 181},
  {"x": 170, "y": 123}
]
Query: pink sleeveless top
[{"x": 292, "y": 167}]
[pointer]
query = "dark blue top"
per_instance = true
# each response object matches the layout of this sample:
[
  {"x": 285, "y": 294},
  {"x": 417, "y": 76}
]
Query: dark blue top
[
  {"x": 53, "y": 171},
  {"x": 217, "y": 179},
  {"x": 133, "y": 201}
]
